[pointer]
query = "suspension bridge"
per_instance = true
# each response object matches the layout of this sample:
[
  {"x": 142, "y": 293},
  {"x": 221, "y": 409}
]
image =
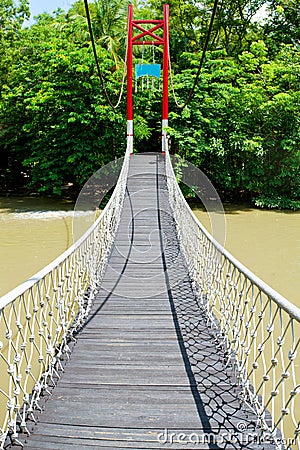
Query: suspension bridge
[{"x": 147, "y": 333}]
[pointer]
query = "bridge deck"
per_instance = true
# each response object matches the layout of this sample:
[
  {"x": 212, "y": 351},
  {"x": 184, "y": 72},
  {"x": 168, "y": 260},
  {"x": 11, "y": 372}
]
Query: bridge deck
[{"x": 146, "y": 360}]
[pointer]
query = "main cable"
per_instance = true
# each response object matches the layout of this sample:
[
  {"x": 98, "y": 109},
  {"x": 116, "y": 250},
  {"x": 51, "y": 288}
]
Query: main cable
[
  {"x": 97, "y": 61},
  {"x": 192, "y": 90}
]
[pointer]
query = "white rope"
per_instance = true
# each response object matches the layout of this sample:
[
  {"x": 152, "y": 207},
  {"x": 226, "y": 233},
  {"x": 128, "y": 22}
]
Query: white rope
[
  {"x": 40, "y": 317},
  {"x": 180, "y": 106},
  {"x": 259, "y": 327},
  {"x": 123, "y": 77}
]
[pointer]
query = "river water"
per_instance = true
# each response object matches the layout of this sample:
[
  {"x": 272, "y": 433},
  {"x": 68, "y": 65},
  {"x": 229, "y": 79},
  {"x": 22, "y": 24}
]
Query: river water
[
  {"x": 267, "y": 242},
  {"x": 34, "y": 231}
]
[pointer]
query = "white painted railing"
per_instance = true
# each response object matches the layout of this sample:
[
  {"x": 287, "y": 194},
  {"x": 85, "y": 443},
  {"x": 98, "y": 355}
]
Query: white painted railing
[
  {"x": 38, "y": 318},
  {"x": 260, "y": 328}
]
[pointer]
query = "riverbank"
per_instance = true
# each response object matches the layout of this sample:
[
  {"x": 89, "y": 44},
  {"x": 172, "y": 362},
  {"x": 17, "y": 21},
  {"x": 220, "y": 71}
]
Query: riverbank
[
  {"x": 266, "y": 241},
  {"x": 35, "y": 230},
  {"x": 70, "y": 193}
]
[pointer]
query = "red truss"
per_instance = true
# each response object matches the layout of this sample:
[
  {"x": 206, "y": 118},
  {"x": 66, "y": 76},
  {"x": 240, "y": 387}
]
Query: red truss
[{"x": 155, "y": 39}]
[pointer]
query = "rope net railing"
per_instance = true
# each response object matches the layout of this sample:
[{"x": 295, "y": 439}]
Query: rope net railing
[
  {"x": 40, "y": 318},
  {"x": 260, "y": 328}
]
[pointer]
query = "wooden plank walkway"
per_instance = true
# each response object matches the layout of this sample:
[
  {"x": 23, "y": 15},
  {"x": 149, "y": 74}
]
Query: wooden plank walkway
[{"x": 146, "y": 361}]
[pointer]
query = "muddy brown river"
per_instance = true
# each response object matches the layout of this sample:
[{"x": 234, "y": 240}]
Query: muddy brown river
[
  {"x": 34, "y": 231},
  {"x": 267, "y": 242}
]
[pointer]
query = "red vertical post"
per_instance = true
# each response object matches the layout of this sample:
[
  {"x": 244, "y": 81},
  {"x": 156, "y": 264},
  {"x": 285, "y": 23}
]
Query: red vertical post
[
  {"x": 129, "y": 80},
  {"x": 156, "y": 39},
  {"x": 165, "y": 100}
]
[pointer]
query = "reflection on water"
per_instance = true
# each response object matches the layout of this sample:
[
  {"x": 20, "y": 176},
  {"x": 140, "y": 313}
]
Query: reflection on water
[
  {"x": 33, "y": 232},
  {"x": 267, "y": 242}
]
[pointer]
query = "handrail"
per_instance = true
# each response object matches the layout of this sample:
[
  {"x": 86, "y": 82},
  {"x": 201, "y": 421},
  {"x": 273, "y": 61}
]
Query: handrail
[
  {"x": 40, "y": 317},
  {"x": 19, "y": 290},
  {"x": 284, "y": 303},
  {"x": 259, "y": 327}
]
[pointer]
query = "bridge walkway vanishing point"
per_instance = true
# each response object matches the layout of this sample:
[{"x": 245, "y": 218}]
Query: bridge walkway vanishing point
[{"x": 146, "y": 365}]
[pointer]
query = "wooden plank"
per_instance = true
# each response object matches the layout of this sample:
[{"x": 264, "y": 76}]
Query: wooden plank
[{"x": 145, "y": 360}]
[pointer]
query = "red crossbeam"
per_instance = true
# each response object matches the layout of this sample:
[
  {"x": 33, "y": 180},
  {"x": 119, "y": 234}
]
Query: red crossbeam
[
  {"x": 147, "y": 43},
  {"x": 150, "y": 33},
  {"x": 148, "y": 21}
]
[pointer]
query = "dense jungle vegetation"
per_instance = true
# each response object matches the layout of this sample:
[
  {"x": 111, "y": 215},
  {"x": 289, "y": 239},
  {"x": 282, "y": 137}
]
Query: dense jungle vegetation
[{"x": 242, "y": 126}]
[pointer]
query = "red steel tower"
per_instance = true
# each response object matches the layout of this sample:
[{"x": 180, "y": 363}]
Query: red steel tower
[{"x": 148, "y": 36}]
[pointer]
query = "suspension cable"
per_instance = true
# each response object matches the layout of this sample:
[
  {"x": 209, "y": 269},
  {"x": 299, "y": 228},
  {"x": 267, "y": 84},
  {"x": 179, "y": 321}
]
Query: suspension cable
[
  {"x": 192, "y": 90},
  {"x": 97, "y": 61}
]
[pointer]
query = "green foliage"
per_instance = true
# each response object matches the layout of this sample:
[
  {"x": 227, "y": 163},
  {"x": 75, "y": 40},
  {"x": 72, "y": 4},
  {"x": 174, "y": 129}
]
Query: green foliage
[
  {"x": 54, "y": 118},
  {"x": 277, "y": 203},
  {"x": 109, "y": 20},
  {"x": 283, "y": 24},
  {"x": 242, "y": 126},
  {"x": 12, "y": 16}
]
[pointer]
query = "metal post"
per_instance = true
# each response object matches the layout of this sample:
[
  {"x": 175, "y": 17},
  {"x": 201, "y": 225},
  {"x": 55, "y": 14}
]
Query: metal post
[
  {"x": 129, "y": 81},
  {"x": 156, "y": 39},
  {"x": 165, "y": 104}
]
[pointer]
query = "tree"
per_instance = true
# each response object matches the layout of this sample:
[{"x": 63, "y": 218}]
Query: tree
[
  {"x": 241, "y": 126},
  {"x": 283, "y": 24},
  {"x": 190, "y": 21},
  {"x": 55, "y": 120},
  {"x": 12, "y": 17},
  {"x": 109, "y": 20}
]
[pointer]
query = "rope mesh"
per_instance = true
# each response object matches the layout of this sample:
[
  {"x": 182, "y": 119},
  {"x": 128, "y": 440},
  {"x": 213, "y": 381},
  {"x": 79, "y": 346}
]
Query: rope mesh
[
  {"x": 259, "y": 328},
  {"x": 38, "y": 323}
]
